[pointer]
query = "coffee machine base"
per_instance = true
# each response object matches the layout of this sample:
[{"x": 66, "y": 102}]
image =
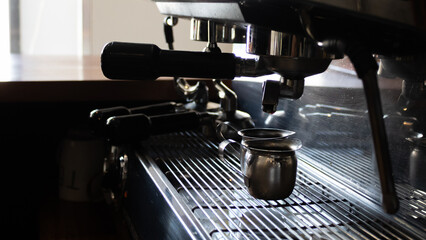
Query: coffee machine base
[{"x": 177, "y": 188}]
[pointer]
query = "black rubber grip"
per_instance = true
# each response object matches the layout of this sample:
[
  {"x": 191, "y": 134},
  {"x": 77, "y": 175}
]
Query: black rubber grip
[{"x": 135, "y": 61}]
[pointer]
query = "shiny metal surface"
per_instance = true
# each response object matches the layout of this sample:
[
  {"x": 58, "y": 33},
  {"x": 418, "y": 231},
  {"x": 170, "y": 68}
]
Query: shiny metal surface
[
  {"x": 268, "y": 165},
  {"x": 390, "y": 200},
  {"x": 263, "y": 41},
  {"x": 320, "y": 207},
  {"x": 417, "y": 159},
  {"x": 263, "y": 133},
  {"x": 269, "y": 169},
  {"x": 151, "y": 190},
  {"x": 358, "y": 176},
  {"x": 227, "y": 130},
  {"x": 225, "y": 33},
  {"x": 339, "y": 139},
  {"x": 228, "y": 98},
  {"x": 290, "y": 55},
  {"x": 228, "y": 111}
]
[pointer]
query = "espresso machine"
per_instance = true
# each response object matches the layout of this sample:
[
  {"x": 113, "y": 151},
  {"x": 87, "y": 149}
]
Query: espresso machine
[{"x": 315, "y": 69}]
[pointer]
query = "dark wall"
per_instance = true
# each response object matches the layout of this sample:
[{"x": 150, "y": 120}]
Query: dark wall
[{"x": 30, "y": 134}]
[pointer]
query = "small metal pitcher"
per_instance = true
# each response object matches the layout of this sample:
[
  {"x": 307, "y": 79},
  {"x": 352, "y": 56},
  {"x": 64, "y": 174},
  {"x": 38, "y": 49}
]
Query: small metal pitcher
[
  {"x": 225, "y": 130},
  {"x": 417, "y": 163},
  {"x": 268, "y": 165}
]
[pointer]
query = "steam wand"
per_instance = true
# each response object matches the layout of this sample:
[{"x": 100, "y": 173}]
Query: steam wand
[{"x": 366, "y": 69}]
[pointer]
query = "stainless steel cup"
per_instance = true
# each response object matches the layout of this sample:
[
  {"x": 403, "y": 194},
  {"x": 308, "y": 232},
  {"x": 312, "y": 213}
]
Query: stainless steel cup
[
  {"x": 269, "y": 166},
  {"x": 263, "y": 133},
  {"x": 225, "y": 130}
]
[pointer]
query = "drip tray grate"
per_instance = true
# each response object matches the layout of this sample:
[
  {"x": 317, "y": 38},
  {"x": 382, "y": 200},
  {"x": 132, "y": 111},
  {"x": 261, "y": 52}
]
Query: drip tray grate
[{"x": 217, "y": 197}]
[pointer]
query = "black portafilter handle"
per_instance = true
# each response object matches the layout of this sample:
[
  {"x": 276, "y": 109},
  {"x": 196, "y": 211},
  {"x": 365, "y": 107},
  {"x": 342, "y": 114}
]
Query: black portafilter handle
[
  {"x": 98, "y": 117},
  {"x": 136, "y": 61},
  {"x": 137, "y": 127}
]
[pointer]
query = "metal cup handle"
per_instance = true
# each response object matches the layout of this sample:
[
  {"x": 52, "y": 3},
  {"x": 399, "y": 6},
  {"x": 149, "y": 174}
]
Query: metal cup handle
[
  {"x": 222, "y": 146},
  {"x": 221, "y": 126}
]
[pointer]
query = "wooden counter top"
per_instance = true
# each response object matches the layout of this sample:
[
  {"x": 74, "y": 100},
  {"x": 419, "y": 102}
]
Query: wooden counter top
[
  {"x": 50, "y": 68},
  {"x": 72, "y": 79}
]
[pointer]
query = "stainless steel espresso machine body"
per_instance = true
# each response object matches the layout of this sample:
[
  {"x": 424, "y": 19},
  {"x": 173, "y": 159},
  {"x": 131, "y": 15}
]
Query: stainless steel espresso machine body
[{"x": 315, "y": 69}]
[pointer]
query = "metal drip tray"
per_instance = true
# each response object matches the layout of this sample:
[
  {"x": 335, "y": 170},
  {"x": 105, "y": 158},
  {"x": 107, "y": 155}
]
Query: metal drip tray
[{"x": 212, "y": 202}]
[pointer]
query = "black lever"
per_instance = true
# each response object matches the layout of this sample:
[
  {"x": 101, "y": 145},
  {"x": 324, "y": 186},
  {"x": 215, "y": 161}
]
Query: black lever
[
  {"x": 147, "y": 62},
  {"x": 136, "y": 127},
  {"x": 98, "y": 117}
]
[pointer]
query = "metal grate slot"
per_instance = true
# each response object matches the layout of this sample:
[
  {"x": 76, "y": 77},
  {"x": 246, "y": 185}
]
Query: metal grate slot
[
  {"x": 355, "y": 162},
  {"x": 359, "y": 173},
  {"x": 218, "y": 198}
]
